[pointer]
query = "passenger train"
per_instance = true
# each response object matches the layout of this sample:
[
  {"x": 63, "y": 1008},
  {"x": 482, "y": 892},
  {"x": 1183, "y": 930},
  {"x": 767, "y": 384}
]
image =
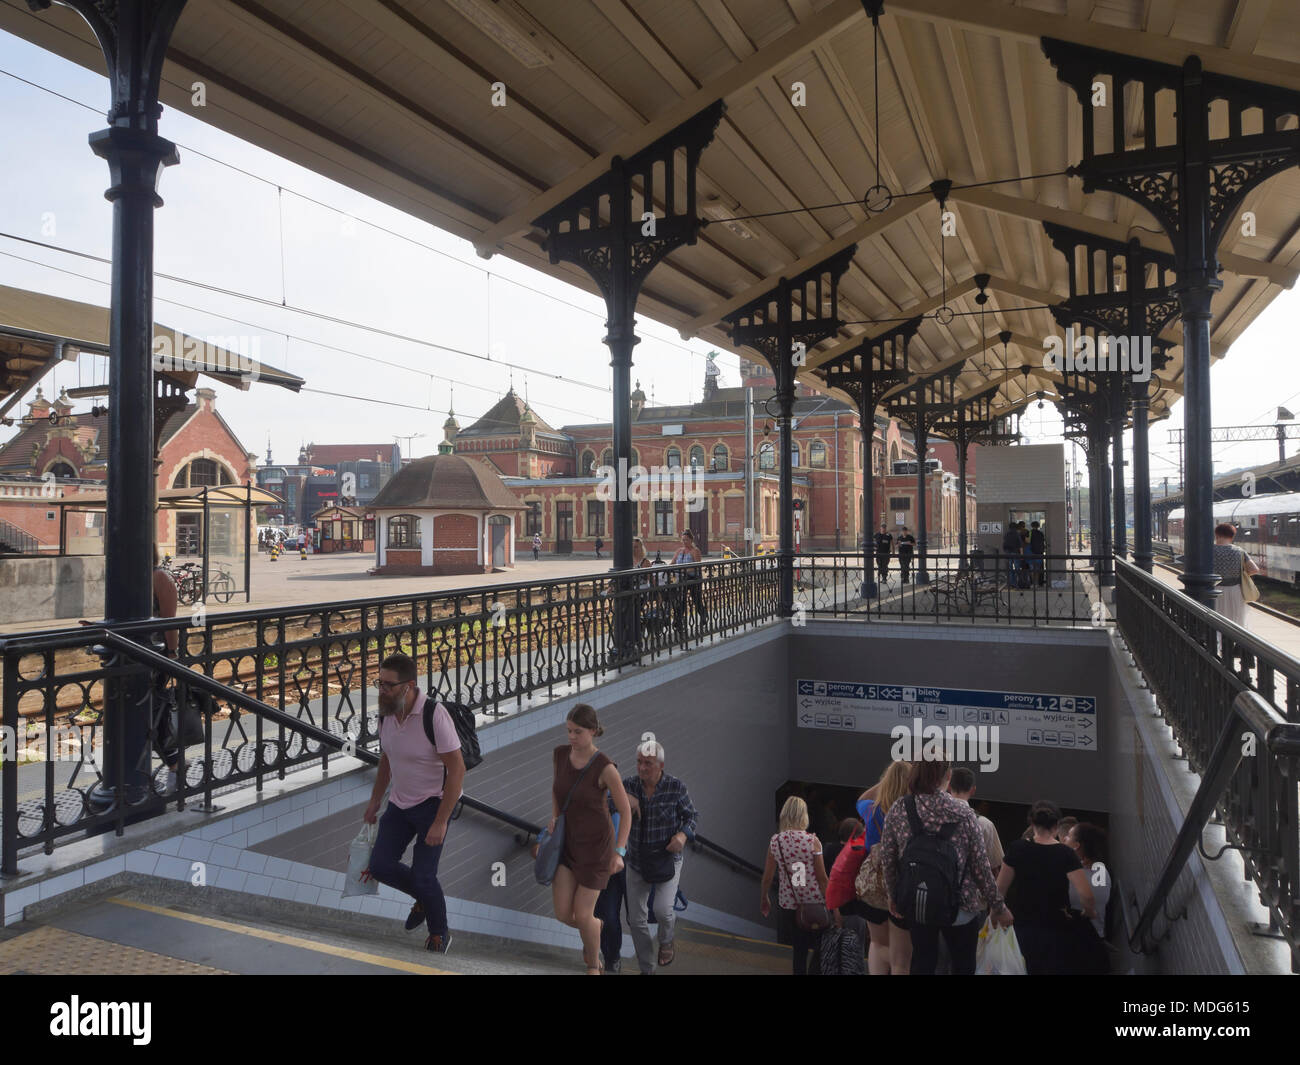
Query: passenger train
[{"x": 1268, "y": 529}]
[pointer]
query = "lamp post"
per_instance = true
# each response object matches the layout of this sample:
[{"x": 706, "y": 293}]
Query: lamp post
[{"x": 1078, "y": 504}]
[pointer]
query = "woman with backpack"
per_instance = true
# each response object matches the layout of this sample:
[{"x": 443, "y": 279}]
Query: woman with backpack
[
  {"x": 891, "y": 941},
  {"x": 794, "y": 856},
  {"x": 938, "y": 871},
  {"x": 1044, "y": 870}
]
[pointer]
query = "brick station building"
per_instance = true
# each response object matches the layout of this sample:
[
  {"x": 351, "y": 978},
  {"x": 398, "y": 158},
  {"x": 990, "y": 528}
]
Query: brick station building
[
  {"x": 551, "y": 471},
  {"x": 197, "y": 447}
]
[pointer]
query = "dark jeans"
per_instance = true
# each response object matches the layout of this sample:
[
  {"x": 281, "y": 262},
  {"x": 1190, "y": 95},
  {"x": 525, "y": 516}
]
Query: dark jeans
[
  {"x": 801, "y": 942},
  {"x": 905, "y": 564},
  {"x": 693, "y": 588},
  {"x": 882, "y": 568},
  {"x": 609, "y": 907},
  {"x": 962, "y": 940},
  {"x": 420, "y": 878}
]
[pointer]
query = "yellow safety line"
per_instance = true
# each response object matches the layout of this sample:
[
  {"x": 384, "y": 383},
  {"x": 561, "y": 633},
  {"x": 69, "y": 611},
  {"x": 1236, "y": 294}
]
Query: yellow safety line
[
  {"x": 293, "y": 941},
  {"x": 728, "y": 935}
]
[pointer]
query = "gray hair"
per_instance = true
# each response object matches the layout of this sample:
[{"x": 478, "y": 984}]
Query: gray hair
[{"x": 652, "y": 747}]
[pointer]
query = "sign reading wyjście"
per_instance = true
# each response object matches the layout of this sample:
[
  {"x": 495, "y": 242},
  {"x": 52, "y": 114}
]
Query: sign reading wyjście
[{"x": 1030, "y": 719}]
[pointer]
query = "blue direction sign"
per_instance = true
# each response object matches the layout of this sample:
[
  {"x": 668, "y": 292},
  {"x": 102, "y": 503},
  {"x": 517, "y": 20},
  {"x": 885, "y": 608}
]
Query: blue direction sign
[{"x": 1033, "y": 719}]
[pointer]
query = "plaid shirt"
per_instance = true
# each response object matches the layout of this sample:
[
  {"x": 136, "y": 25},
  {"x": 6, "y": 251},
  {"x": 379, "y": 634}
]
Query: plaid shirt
[{"x": 668, "y": 811}]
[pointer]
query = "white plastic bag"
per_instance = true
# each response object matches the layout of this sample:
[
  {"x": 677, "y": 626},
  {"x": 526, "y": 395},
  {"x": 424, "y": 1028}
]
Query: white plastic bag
[
  {"x": 359, "y": 881},
  {"x": 998, "y": 953}
]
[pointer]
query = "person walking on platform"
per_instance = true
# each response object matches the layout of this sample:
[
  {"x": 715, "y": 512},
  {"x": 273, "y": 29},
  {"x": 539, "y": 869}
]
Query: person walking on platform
[
  {"x": 884, "y": 544},
  {"x": 794, "y": 856},
  {"x": 691, "y": 583},
  {"x": 1044, "y": 870},
  {"x": 583, "y": 776},
  {"x": 422, "y": 760},
  {"x": 1230, "y": 563},
  {"x": 664, "y": 819},
  {"x": 537, "y": 546},
  {"x": 906, "y": 549}
]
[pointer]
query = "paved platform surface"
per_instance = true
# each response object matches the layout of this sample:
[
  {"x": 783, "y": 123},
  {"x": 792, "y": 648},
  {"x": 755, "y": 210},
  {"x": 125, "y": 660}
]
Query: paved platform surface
[
  {"x": 336, "y": 578},
  {"x": 159, "y": 931}
]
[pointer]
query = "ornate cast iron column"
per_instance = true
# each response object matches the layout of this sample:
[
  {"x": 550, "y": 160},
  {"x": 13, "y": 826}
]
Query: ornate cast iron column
[
  {"x": 600, "y": 229},
  {"x": 1142, "y": 554},
  {"x": 783, "y": 325},
  {"x": 1131, "y": 297},
  {"x": 133, "y": 35},
  {"x": 867, "y": 373},
  {"x": 1194, "y": 186},
  {"x": 972, "y": 418},
  {"x": 919, "y": 405}
]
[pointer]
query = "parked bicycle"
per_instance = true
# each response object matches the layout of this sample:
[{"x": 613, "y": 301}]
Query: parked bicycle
[{"x": 189, "y": 581}]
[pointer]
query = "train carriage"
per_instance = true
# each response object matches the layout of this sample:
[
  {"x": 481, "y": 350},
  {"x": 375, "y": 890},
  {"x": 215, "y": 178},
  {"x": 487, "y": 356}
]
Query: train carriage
[{"x": 1268, "y": 529}]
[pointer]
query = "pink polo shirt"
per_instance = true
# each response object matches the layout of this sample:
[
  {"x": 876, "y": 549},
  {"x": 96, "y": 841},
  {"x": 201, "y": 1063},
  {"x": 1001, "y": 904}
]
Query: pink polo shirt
[{"x": 418, "y": 774}]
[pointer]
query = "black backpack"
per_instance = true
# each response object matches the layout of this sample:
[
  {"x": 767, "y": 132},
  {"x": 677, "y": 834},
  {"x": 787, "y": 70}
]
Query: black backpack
[
  {"x": 928, "y": 891},
  {"x": 463, "y": 718}
]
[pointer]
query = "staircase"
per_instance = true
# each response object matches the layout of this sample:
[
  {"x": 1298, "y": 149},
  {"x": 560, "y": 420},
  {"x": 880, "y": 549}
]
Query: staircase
[{"x": 15, "y": 541}]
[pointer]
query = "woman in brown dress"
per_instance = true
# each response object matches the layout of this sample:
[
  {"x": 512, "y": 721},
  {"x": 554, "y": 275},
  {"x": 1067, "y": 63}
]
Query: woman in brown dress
[{"x": 590, "y": 856}]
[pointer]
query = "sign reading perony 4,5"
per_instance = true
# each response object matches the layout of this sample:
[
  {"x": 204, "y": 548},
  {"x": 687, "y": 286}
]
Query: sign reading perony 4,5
[{"x": 1029, "y": 719}]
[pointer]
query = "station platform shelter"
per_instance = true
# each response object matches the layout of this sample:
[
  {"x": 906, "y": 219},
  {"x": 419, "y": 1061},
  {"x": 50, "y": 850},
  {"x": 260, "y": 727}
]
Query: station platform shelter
[{"x": 893, "y": 203}]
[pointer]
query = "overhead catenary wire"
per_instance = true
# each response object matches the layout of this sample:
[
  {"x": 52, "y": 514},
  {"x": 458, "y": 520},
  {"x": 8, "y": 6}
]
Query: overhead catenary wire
[
  {"x": 294, "y": 336},
  {"x": 281, "y": 189}
]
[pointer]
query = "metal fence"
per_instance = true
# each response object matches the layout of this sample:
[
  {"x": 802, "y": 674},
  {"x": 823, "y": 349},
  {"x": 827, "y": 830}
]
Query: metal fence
[
  {"x": 981, "y": 589},
  {"x": 1197, "y": 663},
  {"x": 280, "y": 683}
]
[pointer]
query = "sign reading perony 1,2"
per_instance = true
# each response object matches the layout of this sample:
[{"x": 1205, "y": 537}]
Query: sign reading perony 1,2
[{"x": 1030, "y": 719}]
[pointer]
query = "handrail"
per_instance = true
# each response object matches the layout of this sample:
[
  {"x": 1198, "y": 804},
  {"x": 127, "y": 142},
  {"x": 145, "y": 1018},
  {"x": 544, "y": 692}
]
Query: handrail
[
  {"x": 1242, "y": 637},
  {"x": 738, "y": 863},
  {"x": 510, "y": 819},
  {"x": 1279, "y": 737},
  {"x": 204, "y": 683},
  {"x": 24, "y": 542}
]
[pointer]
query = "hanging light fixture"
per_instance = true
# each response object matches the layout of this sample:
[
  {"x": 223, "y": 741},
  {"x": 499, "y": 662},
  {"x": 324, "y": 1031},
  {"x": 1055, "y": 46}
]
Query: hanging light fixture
[
  {"x": 945, "y": 314},
  {"x": 879, "y": 197},
  {"x": 982, "y": 298}
]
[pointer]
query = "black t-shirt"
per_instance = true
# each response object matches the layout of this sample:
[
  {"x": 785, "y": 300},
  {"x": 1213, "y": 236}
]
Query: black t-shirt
[
  {"x": 884, "y": 543},
  {"x": 906, "y": 544},
  {"x": 1041, "y": 889}
]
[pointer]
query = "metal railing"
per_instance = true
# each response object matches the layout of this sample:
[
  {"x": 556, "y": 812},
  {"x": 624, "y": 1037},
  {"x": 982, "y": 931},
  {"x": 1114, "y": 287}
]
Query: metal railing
[
  {"x": 16, "y": 541},
  {"x": 283, "y": 688},
  {"x": 981, "y": 589},
  {"x": 1233, "y": 703}
]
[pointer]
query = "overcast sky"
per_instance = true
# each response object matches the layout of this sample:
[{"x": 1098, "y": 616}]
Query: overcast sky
[{"x": 288, "y": 247}]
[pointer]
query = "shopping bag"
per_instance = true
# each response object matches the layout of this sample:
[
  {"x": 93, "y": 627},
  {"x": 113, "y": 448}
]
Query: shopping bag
[
  {"x": 998, "y": 952},
  {"x": 359, "y": 881}
]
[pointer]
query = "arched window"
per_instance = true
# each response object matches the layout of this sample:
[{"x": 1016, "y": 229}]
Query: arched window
[
  {"x": 673, "y": 458},
  {"x": 607, "y": 458},
  {"x": 766, "y": 456},
  {"x": 817, "y": 455},
  {"x": 894, "y": 455},
  {"x": 697, "y": 455},
  {"x": 720, "y": 457},
  {"x": 62, "y": 469},
  {"x": 404, "y": 531},
  {"x": 202, "y": 473},
  {"x": 586, "y": 463},
  {"x": 794, "y": 454}
]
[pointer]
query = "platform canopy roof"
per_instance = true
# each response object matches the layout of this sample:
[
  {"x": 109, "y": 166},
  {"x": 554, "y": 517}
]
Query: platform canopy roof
[
  {"x": 226, "y": 495},
  {"x": 394, "y": 98},
  {"x": 38, "y": 330}
]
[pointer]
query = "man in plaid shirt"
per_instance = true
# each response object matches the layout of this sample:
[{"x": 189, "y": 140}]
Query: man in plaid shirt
[{"x": 664, "y": 818}]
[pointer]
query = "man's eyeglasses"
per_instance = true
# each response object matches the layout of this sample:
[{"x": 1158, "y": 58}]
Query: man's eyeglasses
[{"x": 389, "y": 685}]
